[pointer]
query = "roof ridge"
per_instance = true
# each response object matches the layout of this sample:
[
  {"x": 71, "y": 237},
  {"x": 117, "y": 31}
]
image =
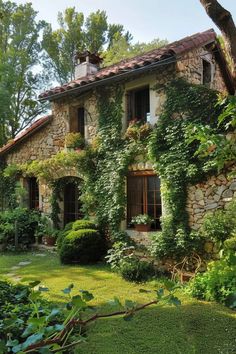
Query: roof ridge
[
  {"x": 39, "y": 123},
  {"x": 210, "y": 30},
  {"x": 153, "y": 56}
]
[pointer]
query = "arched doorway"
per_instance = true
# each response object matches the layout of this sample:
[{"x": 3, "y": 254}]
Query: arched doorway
[{"x": 72, "y": 203}]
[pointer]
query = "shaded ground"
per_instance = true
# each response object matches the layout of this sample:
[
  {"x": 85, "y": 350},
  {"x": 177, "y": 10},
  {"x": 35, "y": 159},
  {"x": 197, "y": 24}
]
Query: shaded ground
[{"x": 193, "y": 328}]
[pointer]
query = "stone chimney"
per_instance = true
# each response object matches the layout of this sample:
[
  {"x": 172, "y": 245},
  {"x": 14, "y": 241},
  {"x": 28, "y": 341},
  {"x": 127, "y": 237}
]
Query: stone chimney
[{"x": 86, "y": 63}]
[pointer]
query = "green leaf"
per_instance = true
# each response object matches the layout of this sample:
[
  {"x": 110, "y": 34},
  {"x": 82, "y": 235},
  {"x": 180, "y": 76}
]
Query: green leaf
[
  {"x": 86, "y": 295},
  {"x": 34, "y": 283},
  {"x": 12, "y": 343},
  {"x": 68, "y": 289},
  {"x": 115, "y": 302},
  {"x": 144, "y": 291},
  {"x": 34, "y": 338},
  {"x": 160, "y": 293},
  {"x": 130, "y": 304},
  {"x": 78, "y": 302},
  {"x": 174, "y": 301},
  {"x": 43, "y": 289}
]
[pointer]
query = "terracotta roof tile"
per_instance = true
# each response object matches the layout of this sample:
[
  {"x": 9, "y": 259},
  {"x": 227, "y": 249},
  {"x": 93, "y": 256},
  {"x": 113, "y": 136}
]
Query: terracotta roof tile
[
  {"x": 38, "y": 124},
  {"x": 174, "y": 49}
]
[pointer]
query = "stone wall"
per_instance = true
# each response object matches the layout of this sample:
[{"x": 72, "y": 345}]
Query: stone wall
[
  {"x": 41, "y": 145},
  {"x": 208, "y": 196},
  {"x": 190, "y": 67},
  {"x": 67, "y": 110}
]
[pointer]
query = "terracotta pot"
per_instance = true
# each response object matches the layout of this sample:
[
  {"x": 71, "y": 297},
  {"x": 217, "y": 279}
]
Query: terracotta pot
[
  {"x": 50, "y": 241},
  {"x": 142, "y": 227}
]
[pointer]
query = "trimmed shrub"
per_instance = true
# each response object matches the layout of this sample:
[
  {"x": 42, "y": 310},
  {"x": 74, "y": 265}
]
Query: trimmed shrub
[
  {"x": 136, "y": 271},
  {"x": 82, "y": 246},
  {"x": 68, "y": 226},
  {"x": 83, "y": 225}
]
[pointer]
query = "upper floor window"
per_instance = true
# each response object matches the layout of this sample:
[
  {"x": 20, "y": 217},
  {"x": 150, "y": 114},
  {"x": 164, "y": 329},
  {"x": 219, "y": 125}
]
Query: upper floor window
[
  {"x": 77, "y": 120},
  {"x": 138, "y": 104},
  {"x": 206, "y": 72}
]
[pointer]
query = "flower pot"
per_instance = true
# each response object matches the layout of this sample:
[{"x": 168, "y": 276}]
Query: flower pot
[
  {"x": 142, "y": 227},
  {"x": 50, "y": 241}
]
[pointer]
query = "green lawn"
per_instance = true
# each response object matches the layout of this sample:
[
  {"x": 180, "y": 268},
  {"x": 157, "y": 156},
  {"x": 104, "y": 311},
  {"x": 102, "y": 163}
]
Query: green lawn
[{"x": 193, "y": 328}]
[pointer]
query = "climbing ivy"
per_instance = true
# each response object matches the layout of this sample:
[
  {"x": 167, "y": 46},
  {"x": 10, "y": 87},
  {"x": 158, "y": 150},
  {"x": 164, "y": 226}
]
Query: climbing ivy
[
  {"x": 9, "y": 187},
  {"x": 104, "y": 186},
  {"x": 174, "y": 158}
]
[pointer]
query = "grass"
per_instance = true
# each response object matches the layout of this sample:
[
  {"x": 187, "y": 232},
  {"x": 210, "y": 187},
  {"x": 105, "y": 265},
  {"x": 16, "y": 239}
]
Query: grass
[{"x": 193, "y": 328}]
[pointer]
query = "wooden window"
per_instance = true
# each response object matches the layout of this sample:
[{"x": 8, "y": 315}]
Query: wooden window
[
  {"x": 144, "y": 197},
  {"x": 72, "y": 204},
  {"x": 77, "y": 120},
  {"x": 33, "y": 193},
  {"x": 206, "y": 72},
  {"x": 81, "y": 124},
  {"x": 138, "y": 104}
]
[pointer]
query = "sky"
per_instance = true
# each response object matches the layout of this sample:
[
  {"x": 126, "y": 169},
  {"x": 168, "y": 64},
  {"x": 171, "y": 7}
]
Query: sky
[{"x": 145, "y": 19}]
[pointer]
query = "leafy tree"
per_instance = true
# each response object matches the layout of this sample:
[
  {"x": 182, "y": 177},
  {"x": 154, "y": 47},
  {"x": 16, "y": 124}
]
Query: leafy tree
[
  {"x": 96, "y": 27},
  {"x": 60, "y": 45},
  {"x": 20, "y": 79},
  {"x": 121, "y": 48},
  {"x": 75, "y": 33},
  {"x": 224, "y": 21}
]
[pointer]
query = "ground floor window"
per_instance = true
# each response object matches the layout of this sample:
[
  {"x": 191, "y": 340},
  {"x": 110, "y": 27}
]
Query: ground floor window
[
  {"x": 144, "y": 197},
  {"x": 33, "y": 193},
  {"x": 72, "y": 204}
]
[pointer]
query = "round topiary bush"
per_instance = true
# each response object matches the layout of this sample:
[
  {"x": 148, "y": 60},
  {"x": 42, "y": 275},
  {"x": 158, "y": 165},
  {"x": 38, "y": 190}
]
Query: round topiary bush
[
  {"x": 68, "y": 226},
  {"x": 83, "y": 224},
  {"x": 82, "y": 246}
]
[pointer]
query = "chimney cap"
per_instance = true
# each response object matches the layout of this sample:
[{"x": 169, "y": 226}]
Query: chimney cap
[{"x": 92, "y": 58}]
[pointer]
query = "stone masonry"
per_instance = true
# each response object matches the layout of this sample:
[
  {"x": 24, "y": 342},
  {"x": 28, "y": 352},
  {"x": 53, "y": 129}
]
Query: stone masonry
[{"x": 208, "y": 196}]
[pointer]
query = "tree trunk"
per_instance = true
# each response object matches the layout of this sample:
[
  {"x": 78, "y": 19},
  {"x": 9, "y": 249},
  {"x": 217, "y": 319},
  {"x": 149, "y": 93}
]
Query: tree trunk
[{"x": 224, "y": 21}]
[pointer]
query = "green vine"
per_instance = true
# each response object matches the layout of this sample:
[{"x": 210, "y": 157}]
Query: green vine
[
  {"x": 105, "y": 184},
  {"x": 175, "y": 161}
]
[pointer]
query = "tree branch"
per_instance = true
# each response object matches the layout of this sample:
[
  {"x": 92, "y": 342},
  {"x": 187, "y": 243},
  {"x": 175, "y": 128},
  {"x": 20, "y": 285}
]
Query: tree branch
[
  {"x": 224, "y": 21},
  {"x": 74, "y": 322}
]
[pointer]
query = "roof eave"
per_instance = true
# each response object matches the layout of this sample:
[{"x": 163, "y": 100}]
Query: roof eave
[
  {"x": 80, "y": 89},
  {"x": 5, "y": 149}
]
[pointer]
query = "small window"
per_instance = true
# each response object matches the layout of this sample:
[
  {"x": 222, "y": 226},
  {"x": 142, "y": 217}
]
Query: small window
[
  {"x": 81, "y": 129},
  {"x": 33, "y": 193},
  {"x": 206, "y": 72},
  {"x": 138, "y": 104},
  {"x": 144, "y": 197},
  {"x": 77, "y": 120}
]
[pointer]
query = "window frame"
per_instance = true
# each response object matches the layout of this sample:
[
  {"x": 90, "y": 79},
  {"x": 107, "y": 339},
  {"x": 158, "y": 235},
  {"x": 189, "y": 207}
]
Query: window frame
[
  {"x": 144, "y": 174},
  {"x": 74, "y": 125},
  {"x": 130, "y": 102}
]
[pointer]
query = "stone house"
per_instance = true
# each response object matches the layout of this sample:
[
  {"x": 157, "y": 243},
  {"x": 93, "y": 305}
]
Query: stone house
[{"x": 197, "y": 58}]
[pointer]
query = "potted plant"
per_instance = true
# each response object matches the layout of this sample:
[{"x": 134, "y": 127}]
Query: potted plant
[
  {"x": 138, "y": 130},
  {"x": 44, "y": 232},
  {"x": 50, "y": 237},
  {"x": 142, "y": 222},
  {"x": 74, "y": 141}
]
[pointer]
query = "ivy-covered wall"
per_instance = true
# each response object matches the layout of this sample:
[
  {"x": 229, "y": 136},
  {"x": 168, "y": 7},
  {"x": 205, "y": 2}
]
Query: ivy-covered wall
[{"x": 104, "y": 167}]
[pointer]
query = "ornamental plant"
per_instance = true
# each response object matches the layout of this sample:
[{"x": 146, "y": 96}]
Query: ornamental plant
[
  {"x": 74, "y": 141},
  {"x": 142, "y": 219},
  {"x": 138, "y": 130}
]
